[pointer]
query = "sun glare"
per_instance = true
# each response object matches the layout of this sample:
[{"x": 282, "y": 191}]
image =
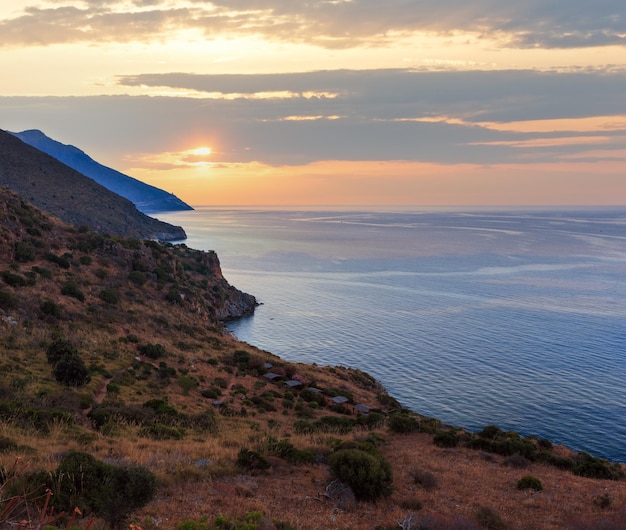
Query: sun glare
[{"x": 201, "y": 151}]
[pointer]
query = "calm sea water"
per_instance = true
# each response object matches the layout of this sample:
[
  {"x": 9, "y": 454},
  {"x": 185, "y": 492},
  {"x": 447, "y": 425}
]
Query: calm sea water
[{"x": 516, "y": 318}]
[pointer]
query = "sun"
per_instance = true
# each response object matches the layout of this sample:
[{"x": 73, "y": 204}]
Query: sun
[{"x": 201, "y": 151}]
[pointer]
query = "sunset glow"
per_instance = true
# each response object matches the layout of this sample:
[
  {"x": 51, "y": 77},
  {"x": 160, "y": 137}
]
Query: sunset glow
[{"x": 426, "y": 103}]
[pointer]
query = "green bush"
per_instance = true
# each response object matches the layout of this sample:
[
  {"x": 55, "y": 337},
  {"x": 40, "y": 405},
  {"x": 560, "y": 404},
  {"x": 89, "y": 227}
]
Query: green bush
[
  {"x": 529, "y": 482},
  {"x": 8, "y": 300},
  {"x": 403, "y": 423},
  {"x": 368, "y": 475},
  {"x": 70, "y": 370},
  {"x": 58, "y": 349},
  {"x": 101, "y": 489},
  {"x": 491, "y": 432},
  {"x": 286, "y": 450},
  {"x": 43, "y": 272},
  {"x": 70, "y": 288},
  {"x": 589, "y": 466},
  {"x": 211, "y": 393},
  {"x": 138, "y": 278},
  {"x": 50, "y": 308},
  {"x": 14, "y": 280},
  {"x": 110, "y": 296},
  {"x": 373, "y": 420},
  {"x": 152, "y": 351},
  {"x": 61, "y": 261},
  {"x": 187, "y": 383},
  {"x": 251, "y": 460},
  {"x": 446, "y": 439}
]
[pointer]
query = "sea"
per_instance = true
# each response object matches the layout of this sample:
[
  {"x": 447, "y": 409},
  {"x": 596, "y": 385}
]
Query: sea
[{"x": 514, "y": 317}]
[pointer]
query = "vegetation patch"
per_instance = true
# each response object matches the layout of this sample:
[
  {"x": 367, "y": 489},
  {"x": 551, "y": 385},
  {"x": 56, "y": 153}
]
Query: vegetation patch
[{"x": 366, "y": 472}]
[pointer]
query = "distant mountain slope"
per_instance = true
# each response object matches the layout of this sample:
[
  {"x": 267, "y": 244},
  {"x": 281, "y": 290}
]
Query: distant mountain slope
[
  {"x": 146, "y": 198},
  {"x": 71, "y": 196}
]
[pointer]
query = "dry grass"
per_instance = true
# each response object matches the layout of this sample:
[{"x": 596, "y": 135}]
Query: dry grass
[
  {"x": 198, "y": 475},
  {"x": 466, "y": 482}
]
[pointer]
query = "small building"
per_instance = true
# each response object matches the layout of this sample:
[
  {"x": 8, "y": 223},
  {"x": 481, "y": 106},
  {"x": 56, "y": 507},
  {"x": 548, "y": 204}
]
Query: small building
[
  {"x": 339, "y": 400},
  {"x": 363, "y": 409},
  {"x": 292, "y": 383},
  {"x": 271, "y": 376}
]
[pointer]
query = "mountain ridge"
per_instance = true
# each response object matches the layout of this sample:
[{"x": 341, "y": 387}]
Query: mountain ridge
[
  {"x": 73, "y": 197},
  {"x": 147, "y": 198}
]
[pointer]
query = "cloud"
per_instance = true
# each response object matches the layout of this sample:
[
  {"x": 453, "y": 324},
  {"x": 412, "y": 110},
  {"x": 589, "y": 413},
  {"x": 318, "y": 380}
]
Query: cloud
[
  {"x": 435, "y": 117},
  {"x": 326, "y": 24},
  {"x": 474, "y": 96}
]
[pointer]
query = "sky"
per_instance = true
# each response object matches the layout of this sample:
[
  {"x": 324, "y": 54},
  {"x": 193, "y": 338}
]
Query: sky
[{"x": 335, "y": 102}]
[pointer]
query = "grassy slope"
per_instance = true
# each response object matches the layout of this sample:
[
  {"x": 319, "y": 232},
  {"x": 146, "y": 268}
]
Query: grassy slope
[{"x": 178, "y": 307}]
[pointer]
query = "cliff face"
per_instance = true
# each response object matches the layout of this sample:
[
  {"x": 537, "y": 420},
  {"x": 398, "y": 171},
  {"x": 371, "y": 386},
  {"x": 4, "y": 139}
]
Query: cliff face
[
  {"x": 143, "y": 274},
  {"x": 72, "y": 197}
]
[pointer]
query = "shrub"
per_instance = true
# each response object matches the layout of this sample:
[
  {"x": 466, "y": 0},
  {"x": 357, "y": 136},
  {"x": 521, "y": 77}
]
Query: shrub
[
  {"x": 50, "y": 308},
  {"x": 285, "y": 449},
  {"x": 8, "y": 300},
  {"x": 110, "y": 296},
  {"x": 152, "y": 351},
  {"x": 58, "y": 349},
  {"x": 70, "y": 288},
  {"x": 251, "y": 460},
  {"x": 85, "y": 260},
  {"x": 138, "y": 278},
  {"x": 369, "y": 475},
  {"x": 70, "y": 370},
  {"x": 162, "y": 407},
  {"x": 14, "y": 280},
  {"x": 43, "y": 272},
  {"x": 446, "y": 439},
  {"x": 211, "y": 393},
  {"x": 589, "y": 466},
  {"x": 529, "y": 482},
  {"x": 403, "y": 423},
  {"x": 105, "y": 490},
  {"x": 61, "y": 261},
  {"x": 490, "y": 432},
  {"x": 187, "y": 383}
]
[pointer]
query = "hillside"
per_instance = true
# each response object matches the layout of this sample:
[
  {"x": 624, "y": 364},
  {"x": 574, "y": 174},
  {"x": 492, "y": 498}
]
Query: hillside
[
  {"x": 121, "y": 392},
  {"x": 72, "y": 197},
  {"x": 147, "y": 199}
]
